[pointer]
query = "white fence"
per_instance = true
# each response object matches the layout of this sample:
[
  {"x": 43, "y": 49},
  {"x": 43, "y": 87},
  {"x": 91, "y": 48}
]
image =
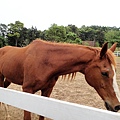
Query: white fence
[
  {"x": 117, "y": 53},
  {"x": 52, "y": 108}
]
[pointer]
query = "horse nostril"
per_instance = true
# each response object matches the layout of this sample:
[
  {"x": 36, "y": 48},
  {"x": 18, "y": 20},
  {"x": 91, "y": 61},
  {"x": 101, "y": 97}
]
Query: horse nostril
[{"x": 117, "y": 108}]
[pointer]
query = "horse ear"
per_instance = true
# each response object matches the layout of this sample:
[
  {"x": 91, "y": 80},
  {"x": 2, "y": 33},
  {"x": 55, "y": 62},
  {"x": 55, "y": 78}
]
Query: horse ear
[
  {"x": 103, "y": 50},
  {"x": 113, "y": 47}
]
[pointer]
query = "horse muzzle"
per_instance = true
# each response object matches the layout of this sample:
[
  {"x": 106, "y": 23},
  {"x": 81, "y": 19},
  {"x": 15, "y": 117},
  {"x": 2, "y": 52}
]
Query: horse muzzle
[{"x": 110, "y": 108}]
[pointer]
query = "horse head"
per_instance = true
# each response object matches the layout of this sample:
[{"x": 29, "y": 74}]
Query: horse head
[{"x": 101, "y": 74}]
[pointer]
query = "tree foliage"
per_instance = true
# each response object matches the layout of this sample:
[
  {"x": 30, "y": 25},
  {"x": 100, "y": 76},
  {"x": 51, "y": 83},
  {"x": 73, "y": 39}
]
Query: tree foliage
[
  {"x": 16, "y": 34},
  {"x": 14, "y": 30},
  {"x": 56, "y": 33},
  {"x": 3, "y": 33},
  {"x": 113, "y": 36}
]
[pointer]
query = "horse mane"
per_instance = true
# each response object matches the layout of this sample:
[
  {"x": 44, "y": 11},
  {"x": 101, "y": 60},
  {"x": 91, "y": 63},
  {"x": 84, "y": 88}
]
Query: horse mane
[
  {"x": 111, "y": 57},
  {"x": 109, "y": 54},
  {"x": 54, "y": 43},
  {"x": 69, "y": 76}
]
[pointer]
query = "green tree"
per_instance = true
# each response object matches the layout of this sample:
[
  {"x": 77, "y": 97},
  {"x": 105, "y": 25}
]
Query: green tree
[
  {"x": 3, "y": 33},
  {"x": 92, "y": 33},
  {"x": 13, "y": 34},
  {"x": 34, "y": 33},
  {"x": 113, "y": 36},
  {"x": 73, "y": 38},
  {"x": 56, "y": 33},
  {"x": 73, "y": 28},
  {"x": 100, "y": 37}
]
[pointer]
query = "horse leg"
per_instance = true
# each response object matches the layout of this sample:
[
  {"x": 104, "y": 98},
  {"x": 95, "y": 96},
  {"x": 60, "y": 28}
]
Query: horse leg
[
  {"x": 1, "y": 80},
  {"x": 47, "y": 91},
  {"x": 6, "y": 83},
  {"x": 2, "y": 85},
  {"x": 27, "y": 114}
]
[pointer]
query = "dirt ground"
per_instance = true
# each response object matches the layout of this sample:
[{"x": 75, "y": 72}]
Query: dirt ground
[{"x": 76, "y": 91}]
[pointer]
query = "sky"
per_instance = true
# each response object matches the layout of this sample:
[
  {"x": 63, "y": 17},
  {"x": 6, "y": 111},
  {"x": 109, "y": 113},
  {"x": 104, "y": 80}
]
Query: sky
[{"x": 43, "y": 13}]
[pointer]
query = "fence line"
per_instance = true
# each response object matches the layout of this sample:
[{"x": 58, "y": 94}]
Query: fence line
[
  {"x": 52, "y": 108},
  {"x": 117, "y": 53}
]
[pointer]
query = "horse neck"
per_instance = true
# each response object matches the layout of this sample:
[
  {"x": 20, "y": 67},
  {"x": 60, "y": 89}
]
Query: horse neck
[{"x": 75, "y": 59}]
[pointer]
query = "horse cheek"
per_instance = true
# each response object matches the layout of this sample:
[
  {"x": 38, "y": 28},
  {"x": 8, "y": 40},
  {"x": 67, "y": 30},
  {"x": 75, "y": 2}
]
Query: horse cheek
[{"x": 90, "y": 78}]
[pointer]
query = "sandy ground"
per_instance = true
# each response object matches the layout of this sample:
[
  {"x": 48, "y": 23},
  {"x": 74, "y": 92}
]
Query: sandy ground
[{"x": 76, "y": 91}]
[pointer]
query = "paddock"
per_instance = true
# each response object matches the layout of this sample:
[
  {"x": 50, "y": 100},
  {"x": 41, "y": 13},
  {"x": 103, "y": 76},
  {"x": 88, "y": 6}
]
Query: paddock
[
  {"x": 117, "y": 53},
  {"x": 63, "y": 90}
]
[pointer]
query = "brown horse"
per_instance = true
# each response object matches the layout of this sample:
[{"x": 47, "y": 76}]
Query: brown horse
[{"x": 38, "y": 66}]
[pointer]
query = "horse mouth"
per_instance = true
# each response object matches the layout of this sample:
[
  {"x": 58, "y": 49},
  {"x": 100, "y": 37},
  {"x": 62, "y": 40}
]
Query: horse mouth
[{"x": 115, "y": 109}]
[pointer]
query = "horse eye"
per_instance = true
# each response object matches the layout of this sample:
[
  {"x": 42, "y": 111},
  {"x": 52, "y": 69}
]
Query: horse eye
[{"x": 104, "y": 74}]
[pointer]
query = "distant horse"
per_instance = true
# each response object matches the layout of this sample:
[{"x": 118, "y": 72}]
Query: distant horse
[{"x": 38, "y": 66}]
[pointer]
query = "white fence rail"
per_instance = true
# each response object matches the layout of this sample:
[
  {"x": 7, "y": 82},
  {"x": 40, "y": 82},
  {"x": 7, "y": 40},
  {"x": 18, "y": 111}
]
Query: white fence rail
[
  {"x": 52, "y": 108},
  {"x": 117, "y": 53}
]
